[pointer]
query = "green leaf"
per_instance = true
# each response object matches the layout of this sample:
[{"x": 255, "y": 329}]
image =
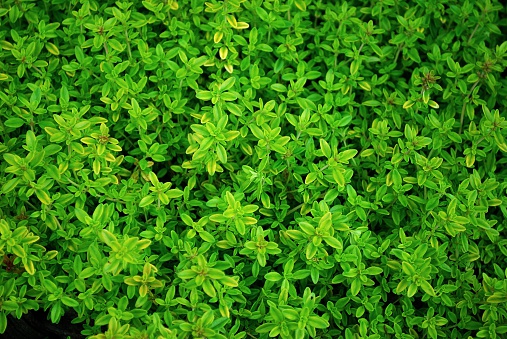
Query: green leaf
[
  {"x": 234, "y": 109},
  {"x": 371, "y": 103},
  {"x": 314, "y": 131},
  {"x": 345, "y": 156},
  {"x": 208, "y": 288},
  {"x": 227, "y": 84},
  {"x": 69, "y": 302},
  {"x": 240, "y": 226},
  {"x": 3, "y": 322},
  {"x": 221, "y": 154},
  {"x": 426, "y": 287},
  {"x": 204, "y": 95},
  {"x": 257, "y": 132},
  {"x": 49, "y": 285},
  {"x": 338, "y": 177},
  {"x": 412, "y": 290},
  {"x": 261, "y": 13},
  {"x": 116, "y": 45},
  {"x": 333, "y": 242},
  {"x": 187, "y": 219},
  {"x": 10, "y": 185},
  {"x": 300, "y": 274},
  {"x": 413, "y": 54},
  {"x": 174, "y": 193},
  {"x": 317, "y": 322},
  {"x": 326, "y": 149},
  {"x": 229, "y": 281},
  {"x": 497, "y": 297},
  {"x": 229, "y": 96},
  {"x": 265, "y": 328},
  {"x": 206, "y": 236},
  {"x": 87, "y": 272},
  {"x": 402, "y": 285},
  {"x": 14, "y": 122},
  {"x": 147, "y": 200},
  {"x": 43, "y": 196},
  {"x": 373, "y": 271},
  {"x": 9, "y": 305},
  {"x": 355, "y": 287},
  {"x": 273, "y": 276},
  {"x": 276, "y": 313},
  {"x": 408, "y": 269},
  {"x": 264, "y": 48},
  {"x": 53, "y": 172},
  {"x": 354, "y": 66},
  {"x": 82, "y": 216},
  {"x": 18, "y": 251},
  {"x": 187, "y": 274},
  {"x": 107, "y": 237},
  {"x": 279, "y": 88}
]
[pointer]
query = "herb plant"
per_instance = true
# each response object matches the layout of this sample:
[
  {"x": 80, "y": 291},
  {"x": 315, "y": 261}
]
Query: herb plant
[{"x": 255, "y": 168}]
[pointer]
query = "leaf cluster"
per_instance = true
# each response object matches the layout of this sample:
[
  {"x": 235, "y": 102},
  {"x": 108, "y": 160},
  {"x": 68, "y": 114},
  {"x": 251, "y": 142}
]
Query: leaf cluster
[{"x": 255, "y": 168}]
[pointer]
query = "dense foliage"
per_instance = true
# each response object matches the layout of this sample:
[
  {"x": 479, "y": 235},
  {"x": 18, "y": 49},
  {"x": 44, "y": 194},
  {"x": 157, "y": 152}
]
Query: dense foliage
[{"x": 255, "y": 168}]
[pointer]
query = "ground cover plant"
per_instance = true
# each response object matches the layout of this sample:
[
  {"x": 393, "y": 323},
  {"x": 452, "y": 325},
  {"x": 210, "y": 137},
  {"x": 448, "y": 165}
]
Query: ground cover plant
[{"x": 255, "y": 168}]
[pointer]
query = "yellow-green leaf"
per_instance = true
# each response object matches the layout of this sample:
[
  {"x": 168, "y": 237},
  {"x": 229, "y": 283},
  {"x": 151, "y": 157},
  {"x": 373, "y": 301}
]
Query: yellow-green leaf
[{"x": 52, "y": 48}]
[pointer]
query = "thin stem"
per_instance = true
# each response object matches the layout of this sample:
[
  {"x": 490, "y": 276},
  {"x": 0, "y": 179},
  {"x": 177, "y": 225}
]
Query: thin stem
[
  {"x": 106, "y": 49},
  {"x": 295, "y": 209},
  {"x": 465, "y": 106},
  {"x": 472, "y": 35},
  {"x": 475, "y": 29},
  {"x": 299, "y": 135},
  {"x": 339, "y": 27},
  {"x": 72, "y": 182},
  {"x": 64, "y": 187},
  {"x": 31, "y": 205},
  {"x": 398, "y": 53},
  {"x": 480, "y": 140},
  {"x": 126, "y": 138},
  {"x": 360, "y": 48},
  {"x": 37, "y": 69},
  {"x": 129, "y": 51},
  {"x": 110, "y": 199},
  {"x": 75, "y": 175}
]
